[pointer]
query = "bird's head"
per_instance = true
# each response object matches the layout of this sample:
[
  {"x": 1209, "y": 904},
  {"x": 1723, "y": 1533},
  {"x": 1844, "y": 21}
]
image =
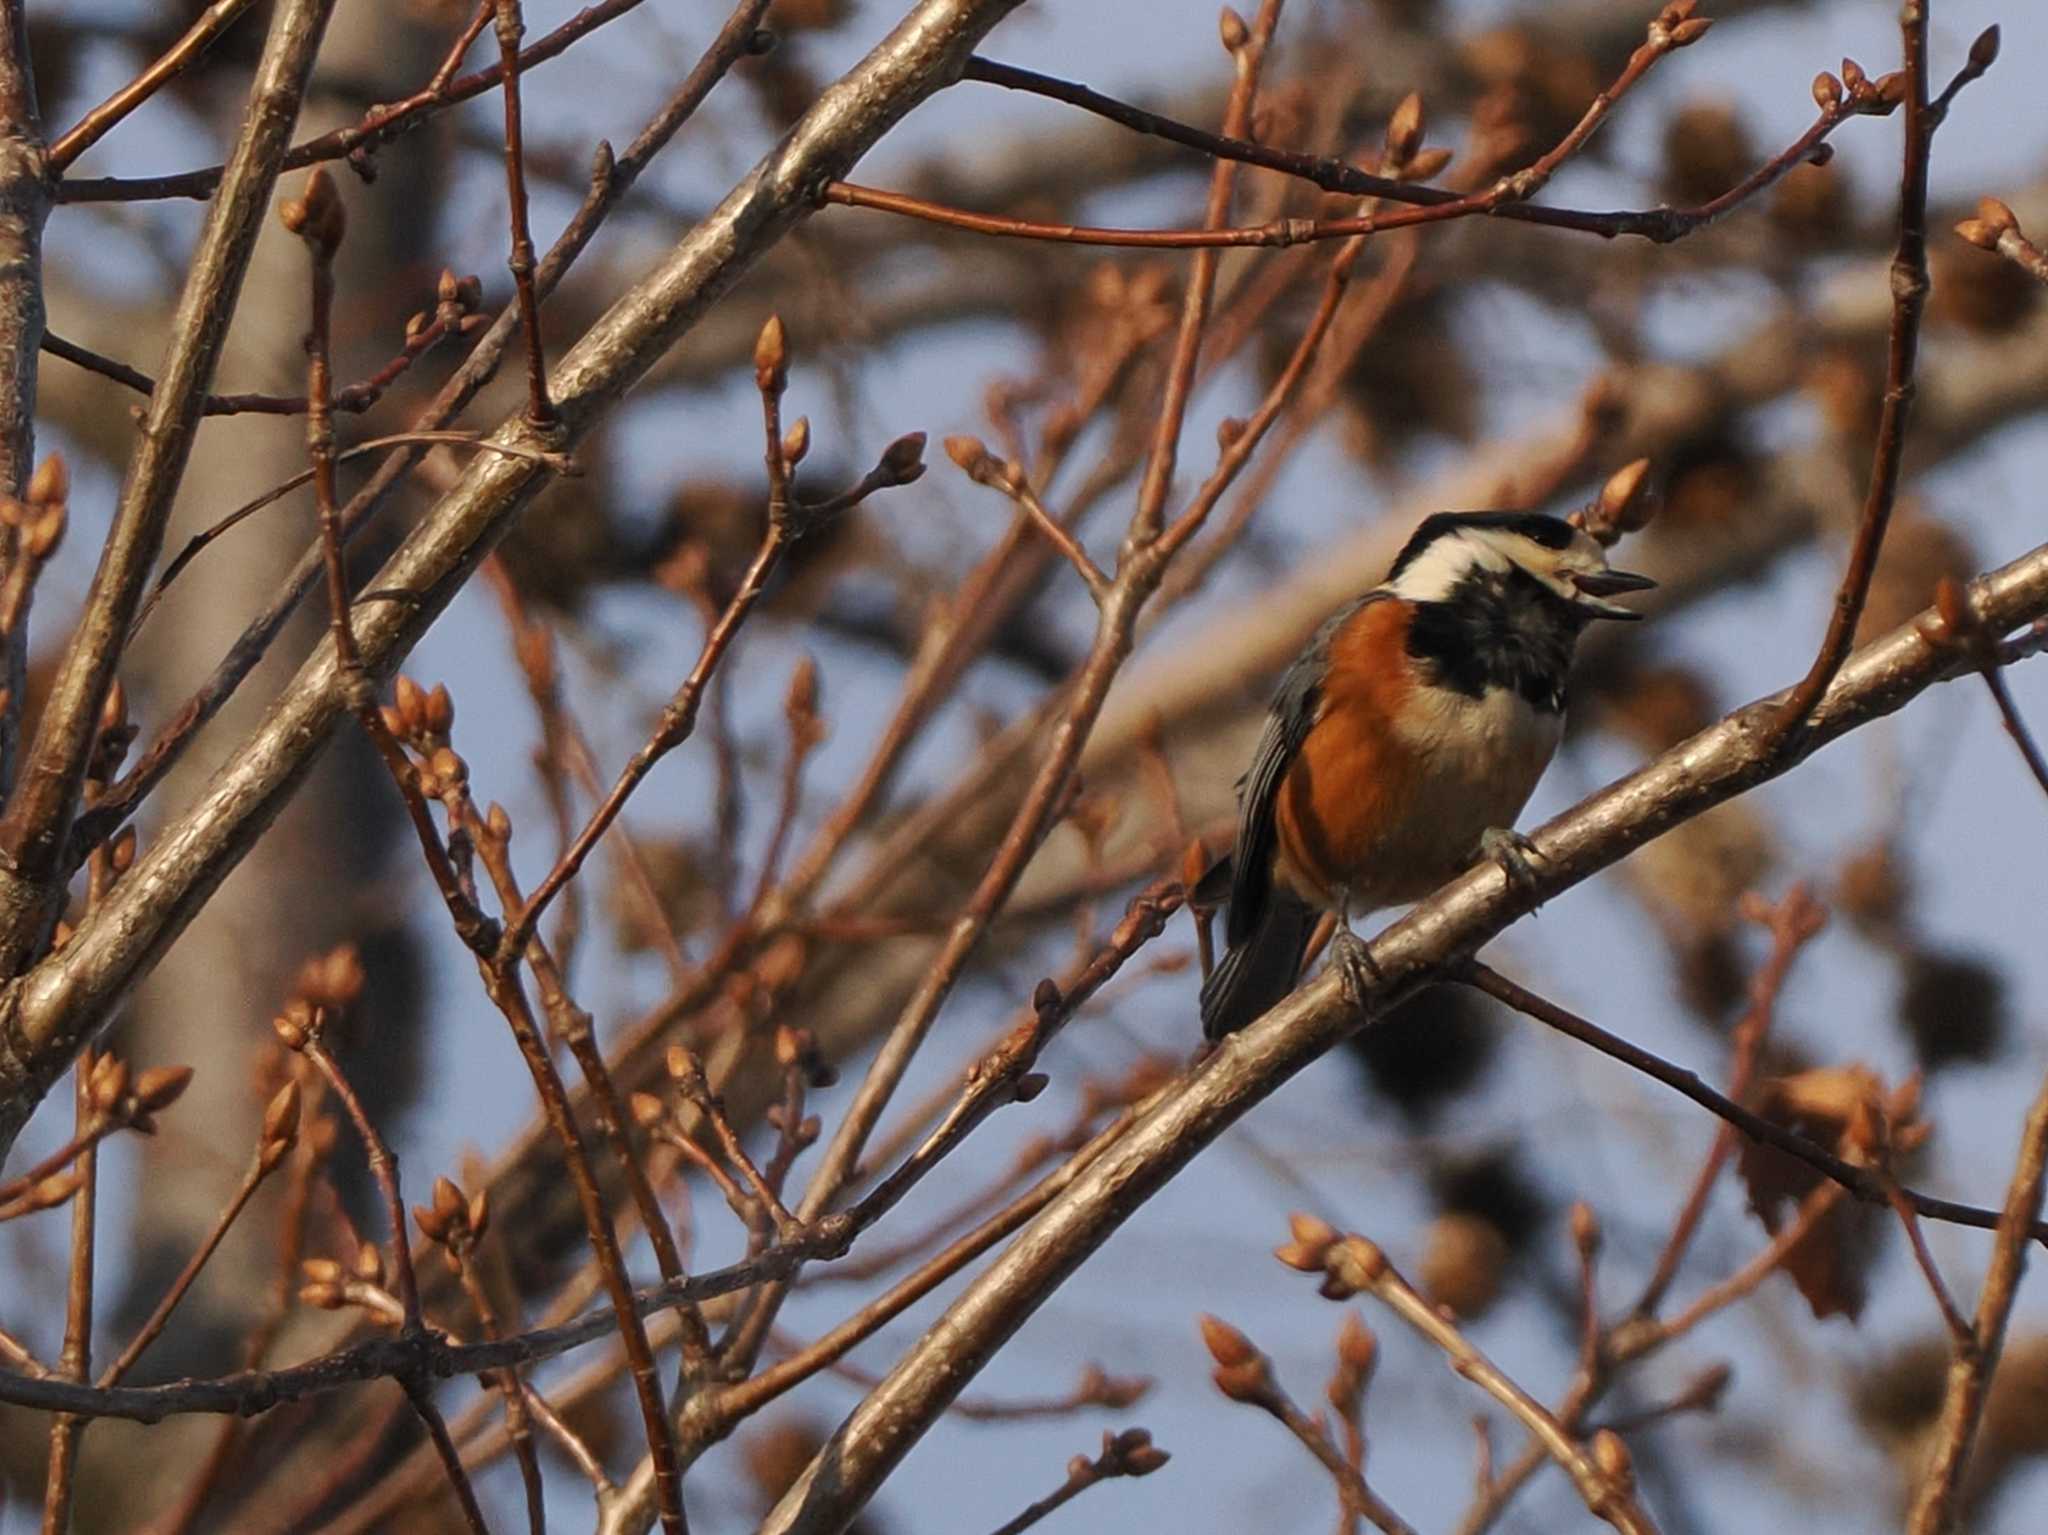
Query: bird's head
[{"x": 1450, "y": 549}]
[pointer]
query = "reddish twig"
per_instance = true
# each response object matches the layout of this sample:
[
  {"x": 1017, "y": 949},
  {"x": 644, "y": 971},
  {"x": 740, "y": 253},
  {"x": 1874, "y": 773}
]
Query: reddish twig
[
  {"x": 1130, "y": 1453},
  {"x": 379, "y": 126},
  {"x": 74, "y": 1359},
  {"x": 511, "y": 26},
  {"x": 1976, "y": 1355},
  {"x": 1861, "y": 1182},
  {"x": 96, "y": 124},
  {"x": 1909, "y": 299}
]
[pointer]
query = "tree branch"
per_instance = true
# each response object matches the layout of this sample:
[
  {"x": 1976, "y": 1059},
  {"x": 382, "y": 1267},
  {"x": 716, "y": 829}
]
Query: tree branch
[
  {"x": 1713, "y": 767},
  {"x": 48, "y": 1014}
]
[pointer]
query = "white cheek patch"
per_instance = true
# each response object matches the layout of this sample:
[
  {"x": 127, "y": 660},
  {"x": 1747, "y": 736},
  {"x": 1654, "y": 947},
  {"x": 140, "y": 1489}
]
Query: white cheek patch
[{"x": 1435, "y": 573}]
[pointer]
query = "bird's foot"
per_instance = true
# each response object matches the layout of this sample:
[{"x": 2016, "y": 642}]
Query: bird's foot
[
  {"x": 1514, "y": 853},
  {"x": 1353, "y": 962}
]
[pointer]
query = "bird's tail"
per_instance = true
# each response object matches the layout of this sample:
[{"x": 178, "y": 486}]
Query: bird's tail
[{"x": 1257, "y": 973}]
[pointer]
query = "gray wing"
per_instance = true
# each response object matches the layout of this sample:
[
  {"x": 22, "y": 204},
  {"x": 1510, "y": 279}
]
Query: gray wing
[{"x": 1293, "y": 711}]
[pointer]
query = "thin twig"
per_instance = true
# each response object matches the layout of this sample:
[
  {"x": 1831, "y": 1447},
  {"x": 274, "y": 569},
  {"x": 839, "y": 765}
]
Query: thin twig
[
  {"x": 74, "y": 1359},
  {"x": 1861, "y": 1182},
  {"x": 1909, "y": 285},
  {"x": 511, "y": 26},
  {"x": 379, "y": 125},
  {"x": 1353, "y": 1264},
  {"x": 1935, "y": 1508},
  {"x": 96, "y": 124}
]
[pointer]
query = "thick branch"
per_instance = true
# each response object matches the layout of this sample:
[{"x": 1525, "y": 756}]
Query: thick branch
[
  {"x": 39, "y": 812},
  {"x": 1713, "y": 767},
  {"x": 49, "y": 1013}
]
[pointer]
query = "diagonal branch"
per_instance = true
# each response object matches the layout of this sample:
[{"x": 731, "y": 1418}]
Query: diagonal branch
[
  {"x": 47, "y": 1015},
  {"x": 1721, "y": 762},
  {"x": 39, "y": 812}
]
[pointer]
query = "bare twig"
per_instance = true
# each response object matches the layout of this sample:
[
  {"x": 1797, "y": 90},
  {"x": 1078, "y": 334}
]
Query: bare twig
[
  {"x": 37, "y": 821},
  {"x": 1935, "y": 1507},
  {"x": 74, "y": 1360},
  {"x": 96, "y": 124},
  {"x": 1245, "y": 1375},
  {"x": 1130, "y": 1453},
  {"x": 1712, "y": 767},
  {"x": 511, "y": 25},
  {"x": 1353, "y": 1264},
  {"x": 1909, "y": 299},
  {"x": 1862, "y": 1182}
]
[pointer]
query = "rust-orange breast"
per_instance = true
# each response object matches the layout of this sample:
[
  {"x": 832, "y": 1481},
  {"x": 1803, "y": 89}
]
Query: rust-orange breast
[{"x": 1354, "y": 773}]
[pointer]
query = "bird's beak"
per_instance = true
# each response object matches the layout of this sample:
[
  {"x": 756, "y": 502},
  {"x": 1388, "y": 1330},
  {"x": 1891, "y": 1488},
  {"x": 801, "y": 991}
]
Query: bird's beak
[{"x": 1598, "y": 584}]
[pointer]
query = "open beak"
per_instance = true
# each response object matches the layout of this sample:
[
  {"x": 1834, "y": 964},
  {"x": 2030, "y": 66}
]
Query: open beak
[{"x": 1609, "y": 583}]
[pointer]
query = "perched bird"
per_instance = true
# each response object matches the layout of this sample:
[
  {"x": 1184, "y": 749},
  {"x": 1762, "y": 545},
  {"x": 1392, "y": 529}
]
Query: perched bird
[{"x": 1403, "y": 742}]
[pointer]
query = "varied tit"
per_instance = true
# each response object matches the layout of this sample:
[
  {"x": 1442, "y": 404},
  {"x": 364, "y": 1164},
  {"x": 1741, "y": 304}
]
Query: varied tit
[{"x": 1403, "y": 742}]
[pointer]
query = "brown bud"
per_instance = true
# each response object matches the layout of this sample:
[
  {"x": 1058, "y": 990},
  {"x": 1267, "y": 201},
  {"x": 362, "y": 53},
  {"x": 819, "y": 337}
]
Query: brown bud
[
  {"x": 1029, "y": 1086},
  {"x": 368, "y": 1263},
  {"x": 685, "y": 1068},
  {"x": 317, "y": 215},
  {"x": 903, "y": 460},
  {"x": 970, "y": 453},
  {"x": 1357, "y": 1347},
  {"x": 446, "y": 766},
  {"x": 160, "y": 1087},
  {"x": 771, "y": 358},
  {"x": 1690, "y": 31},
  {"x": 437, "y": 711},
  {"x": 430, "y": 1222},
  {"x": 796, "y": 442},
  {"x": 107, "y": 1083},
  {"x": 1827, "y": 91},
  {"x": 648, "y": 1110},
  {"x": 1243, "y": 1382},
  {"x": 1228, "y": 431},
  {"x": 1357, "y": 1261},
  {"x": 1853, "y": 77},
  {"x": 479, "y": 1216},
  {"x": 412, "y": 703},
  {"x": 1145, "y": 1461},
  {"x": 1984, "y": 51},
  {"x": 299, "y": 1024},
  {"x": 51, "y": 483},
  {"x": 321, "y": 1270},
  {"x": 280, "y": 1125},
  {"x": 499, "y": 822},
  {"x": 1890, "y": 91},
  {"x": 1404, "y": 130},
  {"x": 448, "y": 288},
  {"x": 449, "y": 1204},
  {"x": 800, "y": 703},
  {"x": 1427, "y": 164},
  {"x": 1622, "y": 506},
  {"x": 1585, "y": 1228},
  {"x": 45, "y": 534},
  {"x": 394, "y": 722},
  {"x": 1613, "y": 1458},
  {"x": 1313, "y": 1238},
  {"x": 1226, "y": 1345},
  {"x": 1231, "y": 29},
  {"x": 416, "y": 322}
]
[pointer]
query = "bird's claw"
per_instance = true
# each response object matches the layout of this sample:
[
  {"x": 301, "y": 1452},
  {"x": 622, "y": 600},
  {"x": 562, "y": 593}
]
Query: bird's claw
[
  {"x": 1513, "y": 852},
  {"x": 1353, "y": 962}
]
